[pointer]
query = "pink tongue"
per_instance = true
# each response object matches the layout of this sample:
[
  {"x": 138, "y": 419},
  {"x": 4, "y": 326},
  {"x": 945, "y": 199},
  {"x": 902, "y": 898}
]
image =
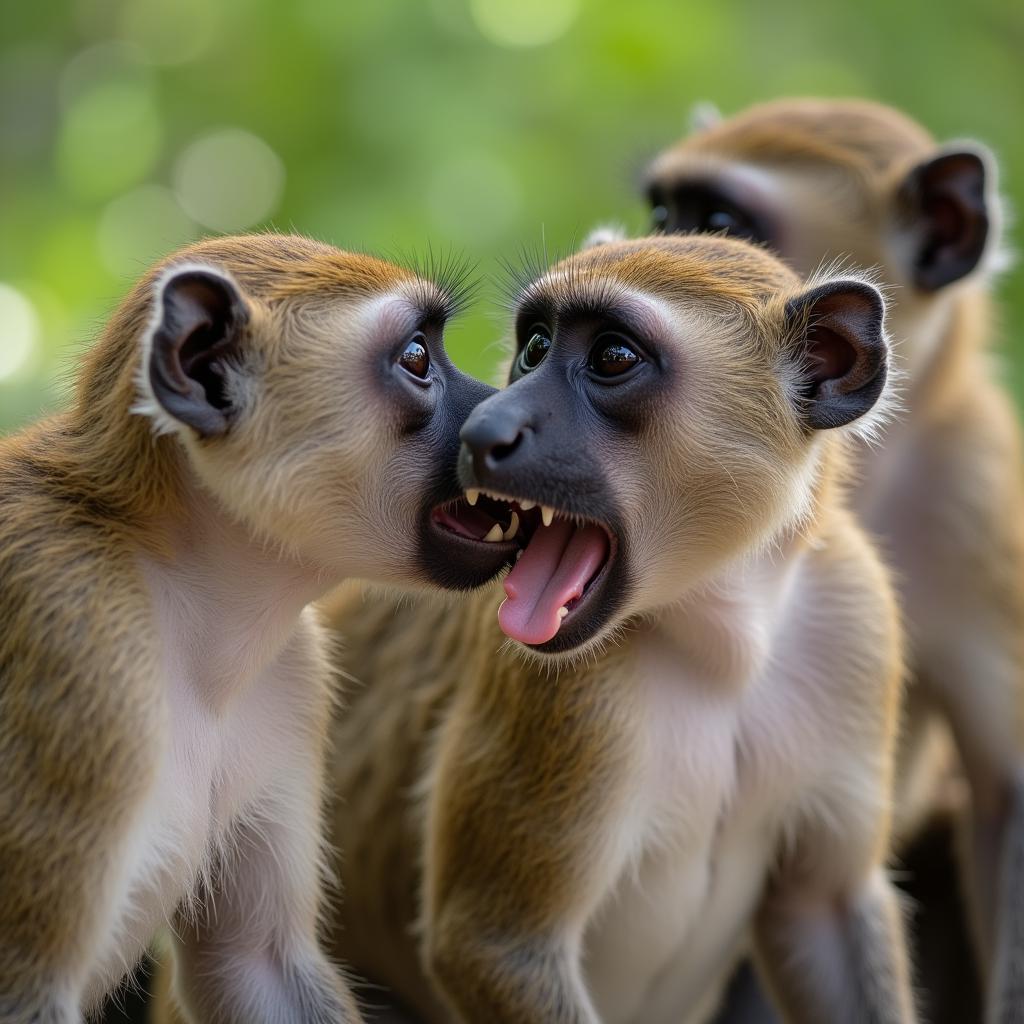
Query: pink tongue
[{"x": 558, "y": 563}]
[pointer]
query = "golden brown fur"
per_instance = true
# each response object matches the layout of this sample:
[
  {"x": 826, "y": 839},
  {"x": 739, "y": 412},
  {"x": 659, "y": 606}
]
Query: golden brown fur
[
  {"x": 152, "y": 584},
  {"x": 487, "y": 798},
  {"x": 101, "y": 447},
  {"x": 849, "y": 134},
  {"x": 945, "y": 493}
]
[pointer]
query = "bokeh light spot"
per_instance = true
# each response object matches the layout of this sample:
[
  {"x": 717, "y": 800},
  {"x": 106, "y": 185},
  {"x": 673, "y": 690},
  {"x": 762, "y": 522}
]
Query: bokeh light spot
[
  {"x": 171, "y": 31},
  {"x": 101, "y": 64},
  {"x": 19, "y": 331},
  {"x": 110, "y": 138},
  {"x": 524, "y": 22},
  {"x": 229, "y": 180},
  {"x": 140, "y": 227}
]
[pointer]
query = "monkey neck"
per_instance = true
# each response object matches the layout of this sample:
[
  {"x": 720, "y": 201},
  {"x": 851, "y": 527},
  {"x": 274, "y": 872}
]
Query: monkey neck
[
  {"x": 228, "y": 602},
  {"x": 722, "y": 624},
  {"x": 723, "y": 631},
  {"x": 936, "y": 345},
  {"x": 966, "y": 334}
]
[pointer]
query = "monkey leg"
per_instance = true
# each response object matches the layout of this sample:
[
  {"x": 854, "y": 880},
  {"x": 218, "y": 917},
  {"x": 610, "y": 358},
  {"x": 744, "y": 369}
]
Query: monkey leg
[
  {"x": 521, "y": 847},
  {"x": 945, "y": 972},
  {"x": 51, "y": 948},
  {"x": 996, "y": 861},
  {"x": 69, "y": 836},
  {"x": 956, "y": 536},
  {"x": 1006, "y": 999},
  {"x": 979, "y": 681},
  {"x": 838, "y": 956},
  {"x": 829, "y": 935},
  {"x": 947, "y": 987},
  {"x": 252, "y": 957},
  {"x": 745, "y": 1001}
]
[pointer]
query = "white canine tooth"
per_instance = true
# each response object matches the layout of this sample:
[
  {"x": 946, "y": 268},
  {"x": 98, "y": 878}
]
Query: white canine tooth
[
  {"x": 562, "y": 612},
  {"x": 494, "y": 534},
  {"x": 527, "y": 505},
  {"x": 472, "y": 495},
  {"x": 519, "y": 554},
  {"x": 547, "y": 514},
  {"x": 513, "y": 526}
]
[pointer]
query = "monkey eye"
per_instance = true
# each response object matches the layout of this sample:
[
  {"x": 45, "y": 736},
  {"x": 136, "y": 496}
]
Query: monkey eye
[
  {"x": 535, "y": 349},
  {"x": 613, "y": 355},
  {"x": 716, "y": 214},
  {"x": 415, "y": 358},
  {"x": 702, "y": 208},
  {"x": 721, "y": 220}
]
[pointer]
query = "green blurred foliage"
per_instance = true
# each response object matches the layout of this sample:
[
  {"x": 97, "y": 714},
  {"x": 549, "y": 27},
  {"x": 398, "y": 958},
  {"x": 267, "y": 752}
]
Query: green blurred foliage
[{"x": 482, "y": 125}]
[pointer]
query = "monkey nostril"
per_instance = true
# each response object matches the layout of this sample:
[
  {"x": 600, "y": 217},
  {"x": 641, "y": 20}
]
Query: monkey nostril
[
  {"x": 500, "y": 452},
  {"x": 491, "y": 436}
]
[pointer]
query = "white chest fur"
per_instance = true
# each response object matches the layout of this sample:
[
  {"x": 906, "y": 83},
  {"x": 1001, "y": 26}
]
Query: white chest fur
[
  {"x": 239, "y": 699},
  {"x": 719, "y": 769}
]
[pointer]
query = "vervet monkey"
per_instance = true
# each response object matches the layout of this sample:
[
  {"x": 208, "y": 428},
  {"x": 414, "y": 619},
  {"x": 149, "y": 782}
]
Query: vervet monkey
[
  {"x": 689, "y": 725},
  {"x": 262, "y": 417},
  {"x": 819, "y": 179}
]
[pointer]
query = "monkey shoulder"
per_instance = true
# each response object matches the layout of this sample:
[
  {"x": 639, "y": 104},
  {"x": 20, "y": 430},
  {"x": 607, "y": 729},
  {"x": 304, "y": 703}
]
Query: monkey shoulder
[
  {"x": 66, "y": 574},
  {"x": 79, "y": 704},
  {"x": 849, "y": 681},
  {"x": 969, "y": 475},
  {"x": 850, "y": 592}
]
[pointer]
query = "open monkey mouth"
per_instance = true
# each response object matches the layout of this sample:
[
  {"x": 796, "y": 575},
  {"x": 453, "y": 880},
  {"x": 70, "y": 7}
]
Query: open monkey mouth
[{"x": 562, "y": 560}]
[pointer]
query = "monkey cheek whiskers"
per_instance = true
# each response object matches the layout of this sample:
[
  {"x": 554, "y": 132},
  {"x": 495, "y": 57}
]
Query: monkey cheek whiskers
[{"x": 562, "y": 560}]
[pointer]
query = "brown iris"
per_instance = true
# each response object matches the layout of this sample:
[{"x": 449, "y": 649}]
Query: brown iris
[
  {"x": 535, "y": 349},
  {"x": 613, "y": 356},
  {"x": 415, "y": 357}
]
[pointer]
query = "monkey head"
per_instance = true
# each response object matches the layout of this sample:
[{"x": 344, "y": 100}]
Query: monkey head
[
  {"x": 311, "y": 391},
  {"x": 820, "y": 180},
  {"x": 672, "y": 401}
]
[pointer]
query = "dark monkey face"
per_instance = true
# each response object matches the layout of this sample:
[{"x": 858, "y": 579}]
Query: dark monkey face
[
  {"x": 541, "y": 456},
  {"x": 662, "y": 418},
  {"x": 815, "y": 180}
]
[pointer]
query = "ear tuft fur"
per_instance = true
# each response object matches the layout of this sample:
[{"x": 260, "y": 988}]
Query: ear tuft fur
[
  {"x": 703, "y": 115},
  {"x": 604, "y": 235}
]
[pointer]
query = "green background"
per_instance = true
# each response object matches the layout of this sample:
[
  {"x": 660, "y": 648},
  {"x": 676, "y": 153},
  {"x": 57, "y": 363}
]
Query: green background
[{"x": 128, "y": 128}]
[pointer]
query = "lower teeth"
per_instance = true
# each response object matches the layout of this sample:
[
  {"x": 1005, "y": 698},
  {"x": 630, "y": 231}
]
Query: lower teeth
[{"x": 513, "y": 527}]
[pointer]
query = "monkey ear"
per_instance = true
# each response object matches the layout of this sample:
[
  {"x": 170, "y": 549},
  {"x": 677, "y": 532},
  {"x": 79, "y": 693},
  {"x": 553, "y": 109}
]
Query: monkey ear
[
  {"x": 603, "y": 235},
  {"x": 947, "y": 200},
  {"x": 199, "y": 322},
  {"x": 843, "y": 354},
  {"x": 703, "y": 115}
]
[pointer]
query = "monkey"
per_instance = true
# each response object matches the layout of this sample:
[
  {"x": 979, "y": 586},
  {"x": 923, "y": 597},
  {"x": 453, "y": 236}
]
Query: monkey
[
  {"x": 816, "y": 180},
  {"x": 262, "y": 417},
  {"x": 681, "y": 721}
]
